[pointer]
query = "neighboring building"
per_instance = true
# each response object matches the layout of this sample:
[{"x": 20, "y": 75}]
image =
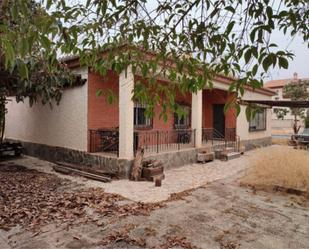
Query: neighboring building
[
  {"x": 282, "y": 126},
  {"x": 86, "y": 129}
]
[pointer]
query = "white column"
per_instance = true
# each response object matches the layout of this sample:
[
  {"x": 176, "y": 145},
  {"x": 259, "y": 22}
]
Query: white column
[
  {"x": 126, "y": 113},
  {"x": 196, "y": 116}
]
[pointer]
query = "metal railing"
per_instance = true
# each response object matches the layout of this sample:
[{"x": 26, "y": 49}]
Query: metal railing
[
  {"x": 156, "y": 141},
  {"x": 104, "y": 140},
  {"x": 218, "y": 140},
  {"x": 164, "y": 140},
  {"x": 211, "y": 135}
]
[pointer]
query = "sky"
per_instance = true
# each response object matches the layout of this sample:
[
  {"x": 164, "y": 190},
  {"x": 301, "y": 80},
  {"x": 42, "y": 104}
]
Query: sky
[{"x": 300, "y": 64}]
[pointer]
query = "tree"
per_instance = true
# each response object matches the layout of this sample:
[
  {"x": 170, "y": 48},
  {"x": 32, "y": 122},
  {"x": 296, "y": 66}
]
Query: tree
[
  {"x": 189, "y": 42},
  {"x": 297, "y": 91},
  {"x": 27, "y": 70},
  {"x": 281, "y": 112}
]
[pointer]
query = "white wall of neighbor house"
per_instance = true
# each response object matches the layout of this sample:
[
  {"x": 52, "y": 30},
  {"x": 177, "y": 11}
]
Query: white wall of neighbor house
[
  {"x": 288, "y": 116},
  {"x": 65, "y": 125},
  {"x": 242, "y": 126}
]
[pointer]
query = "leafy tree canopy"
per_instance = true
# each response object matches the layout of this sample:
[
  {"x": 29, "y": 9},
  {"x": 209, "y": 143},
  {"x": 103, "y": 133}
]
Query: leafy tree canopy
[
  {"x": 297, "y": 90},
  {"x": 202, "y": 38},
  {"x": 27, "y": 68}
]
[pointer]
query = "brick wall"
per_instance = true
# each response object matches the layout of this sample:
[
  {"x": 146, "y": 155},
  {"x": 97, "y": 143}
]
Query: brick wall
[
  {"x": 102, "y": 114},
  {"x": 211, "y": 97}
]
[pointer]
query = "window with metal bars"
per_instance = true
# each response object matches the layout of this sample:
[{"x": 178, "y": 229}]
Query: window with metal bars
[
  {"x": 182, "y": 121},
  {"x": 140, "y": 118}
]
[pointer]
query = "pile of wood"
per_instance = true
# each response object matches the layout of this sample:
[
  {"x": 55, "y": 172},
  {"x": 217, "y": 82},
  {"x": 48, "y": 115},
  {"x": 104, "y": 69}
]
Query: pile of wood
[{"x": 150, "y": 170}]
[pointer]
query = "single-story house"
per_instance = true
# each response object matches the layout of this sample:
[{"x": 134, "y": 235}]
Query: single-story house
[{"x": 86, "y": 129}]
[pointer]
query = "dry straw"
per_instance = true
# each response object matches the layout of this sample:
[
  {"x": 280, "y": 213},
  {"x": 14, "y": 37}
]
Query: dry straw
[{"x": 281, "y": 166}]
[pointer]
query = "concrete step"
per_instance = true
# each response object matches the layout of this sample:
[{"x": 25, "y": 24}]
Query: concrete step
[
  {"x": 229, "y": 149},
  {"x": 231, "y": 155}
]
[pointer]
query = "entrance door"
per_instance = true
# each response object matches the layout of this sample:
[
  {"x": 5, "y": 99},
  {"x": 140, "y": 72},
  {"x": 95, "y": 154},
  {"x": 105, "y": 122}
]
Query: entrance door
[{"x": 219, "y": 120}]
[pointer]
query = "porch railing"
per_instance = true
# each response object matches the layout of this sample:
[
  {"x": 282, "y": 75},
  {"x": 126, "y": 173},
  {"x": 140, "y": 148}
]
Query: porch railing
[
  {"x": 164, "y": 140},
  {"x": 104, "y": 140},
  {"x": 156, "y": 141},
  {"x": 218, "y": 140}
]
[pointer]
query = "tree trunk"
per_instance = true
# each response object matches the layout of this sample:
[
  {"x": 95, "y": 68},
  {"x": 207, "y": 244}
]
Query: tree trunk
[
  {"x": 296, "y": 127},
  {"x": 2, "y": 121},
  {"x": 137, "y": 165}
]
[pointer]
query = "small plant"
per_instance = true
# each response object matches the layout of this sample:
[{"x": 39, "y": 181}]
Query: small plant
[{"x": 281, "y": 112}]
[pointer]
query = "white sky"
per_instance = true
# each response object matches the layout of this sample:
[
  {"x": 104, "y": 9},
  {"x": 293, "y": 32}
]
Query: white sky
[{"x": 300, "y": 64}]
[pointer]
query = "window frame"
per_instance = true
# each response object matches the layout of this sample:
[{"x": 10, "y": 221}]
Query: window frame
[
  {"x": 186, "y": 118},
  {"x": 257, "y": 119},
  {"x": 148, "y": 121}
]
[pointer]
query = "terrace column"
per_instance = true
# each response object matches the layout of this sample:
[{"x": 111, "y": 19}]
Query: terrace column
[
  {"x": 196, "y": 116},
  {"x": 126, "y": 113}
]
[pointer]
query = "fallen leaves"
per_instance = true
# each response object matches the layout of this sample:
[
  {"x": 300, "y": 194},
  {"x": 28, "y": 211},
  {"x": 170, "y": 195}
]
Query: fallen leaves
[
  {"x": 122, "y": 235},
  {"x": 177, "y": 241},
  {"x": 33, "y": 199}
]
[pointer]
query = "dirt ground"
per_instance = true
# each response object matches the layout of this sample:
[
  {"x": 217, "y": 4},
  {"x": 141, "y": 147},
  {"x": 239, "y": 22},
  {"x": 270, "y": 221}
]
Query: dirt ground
[{"x": 219, "y": 214}]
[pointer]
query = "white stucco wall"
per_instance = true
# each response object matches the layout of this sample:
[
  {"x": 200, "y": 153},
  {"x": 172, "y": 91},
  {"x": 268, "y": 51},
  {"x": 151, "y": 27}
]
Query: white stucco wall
[
  {"x": 242, "y": 125},
  {"x": 288, "y": 116},
  {"x": 64, "y": 125}
]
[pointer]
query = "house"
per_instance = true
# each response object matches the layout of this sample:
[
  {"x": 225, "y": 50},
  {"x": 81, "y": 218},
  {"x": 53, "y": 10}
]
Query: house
[
  {"x": 87, "y": 130},
  {"x": 282, "y": 126}
]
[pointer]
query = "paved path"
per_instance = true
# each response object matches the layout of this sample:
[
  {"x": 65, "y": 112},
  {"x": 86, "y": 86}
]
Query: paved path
[{"x": 176, "y": 180}]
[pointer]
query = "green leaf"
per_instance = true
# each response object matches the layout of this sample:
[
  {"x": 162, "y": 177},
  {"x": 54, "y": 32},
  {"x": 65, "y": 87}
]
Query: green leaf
[
  {"x": 267, "y": 62},
  {"x": 24, "y": 47},
  {"x": 99, "y": 93},
  {"x": 23, "y": 69},
  {"x": 248, "y": 56},
  {"x": 237, "y": 109},
  {"x": 283, "y": 62},
  {"x": 248, "y": 113},
  {"x": 45, "y": 42},
  {"x": 48, "y": 4}
]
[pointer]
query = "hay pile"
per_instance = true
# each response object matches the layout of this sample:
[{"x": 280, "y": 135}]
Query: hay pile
[{"x": 282, "y": 167}]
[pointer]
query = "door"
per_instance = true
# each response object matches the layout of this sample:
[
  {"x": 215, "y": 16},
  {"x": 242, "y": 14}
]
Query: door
[{"x": 219, "y": 120}]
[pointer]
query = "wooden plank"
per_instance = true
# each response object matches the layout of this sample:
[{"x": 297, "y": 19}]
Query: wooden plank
[
  {"x": 86, "y": 169},
  {"x": 68, "y": 170}
]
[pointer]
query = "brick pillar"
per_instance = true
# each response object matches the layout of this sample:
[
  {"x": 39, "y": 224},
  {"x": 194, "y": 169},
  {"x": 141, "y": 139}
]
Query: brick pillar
[
  {"x": 196, "y": 116},
  {"x": 126, "y": 113}
]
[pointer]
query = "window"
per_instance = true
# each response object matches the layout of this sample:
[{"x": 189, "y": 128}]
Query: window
[
  {"x": 140, "y": 118},
  {"x": 182, "y": 121},
  {"x": 258, "y": 123}
]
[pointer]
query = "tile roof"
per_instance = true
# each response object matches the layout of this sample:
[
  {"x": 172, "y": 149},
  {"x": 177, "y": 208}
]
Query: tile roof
[{"x": 281, "y": 83}]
